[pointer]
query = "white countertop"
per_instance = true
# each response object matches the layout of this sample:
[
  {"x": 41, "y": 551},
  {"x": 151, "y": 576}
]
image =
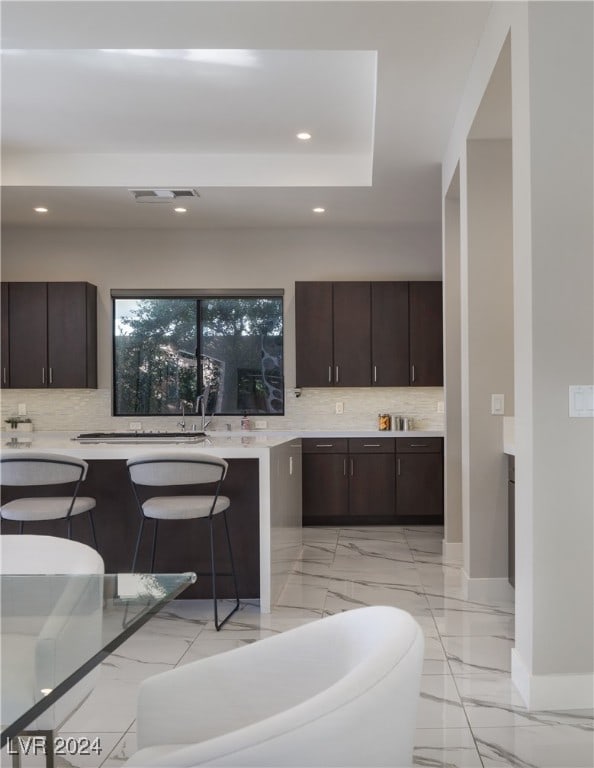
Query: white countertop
[{"x": 230, "y": 445}]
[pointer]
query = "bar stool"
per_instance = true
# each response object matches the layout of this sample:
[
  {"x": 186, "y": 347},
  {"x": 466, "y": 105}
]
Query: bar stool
[
  {"x": 35, "y": 469},
  {"x": 173, "y": 469}
]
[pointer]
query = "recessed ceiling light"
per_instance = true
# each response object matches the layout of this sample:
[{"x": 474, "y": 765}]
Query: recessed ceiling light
[
  {"x": 304, "y": 136},
  {"x": 180, "y": 210},
  {"x": 40, "y": 209},
  {"x": 318, "y": 210}
]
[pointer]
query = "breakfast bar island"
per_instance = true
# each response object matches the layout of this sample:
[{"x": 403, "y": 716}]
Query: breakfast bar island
[{"x": 263, "y": 483}]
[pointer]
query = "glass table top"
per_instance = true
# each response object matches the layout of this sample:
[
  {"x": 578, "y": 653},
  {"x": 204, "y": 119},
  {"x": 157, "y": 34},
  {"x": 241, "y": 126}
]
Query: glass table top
[{"x": 56, "y": 628}]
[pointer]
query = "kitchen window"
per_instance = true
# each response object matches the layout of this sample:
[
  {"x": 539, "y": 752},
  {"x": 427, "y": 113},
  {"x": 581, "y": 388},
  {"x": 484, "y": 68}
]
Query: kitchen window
[{"x": 169, "y": 349}]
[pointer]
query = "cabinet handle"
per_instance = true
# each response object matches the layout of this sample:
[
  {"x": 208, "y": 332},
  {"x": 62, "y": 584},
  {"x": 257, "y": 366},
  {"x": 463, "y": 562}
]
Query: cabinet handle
[
  {"x": 337, "y": 374},
  {"x": 398, "y": 466},
  {"x": 344, "y": 467},
  {"x": 352, "y": 468},
  {"x": 413, "y": 373},
  {"x": 51, "y": 376},
  {"x": 324, "y": 445},
  {"x": 43, "y": 375},
  {"x": 371, "y": 445},
  {"x": 375, "y": 373},
  {"x": 290, "y": 465},
  {"x": 4, "y": 375},
  {"x": 329, "y": 374},
  {"x": 419, "y": 445}
]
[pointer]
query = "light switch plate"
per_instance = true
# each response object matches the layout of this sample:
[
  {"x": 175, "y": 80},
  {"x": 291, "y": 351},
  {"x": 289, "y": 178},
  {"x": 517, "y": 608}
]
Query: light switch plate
[
  {"x": 261, "y": 424},
  {"x": 22, "y": 408},
  {"x": 497, "y": 405},
  {"x": 136, "y": 425},
  {"x": 339, "y": 408},
  {"x": 581, "y": 400},
  {"x": 440, "y": 406}
]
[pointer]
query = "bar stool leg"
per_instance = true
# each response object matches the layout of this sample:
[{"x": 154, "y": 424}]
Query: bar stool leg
[
  {"x": 21, "y": 526},
  {"x": 218, "y": 624},
  {"x": 93, "y": 530},
  {"x": 231, "y": 560},
  {"x": 137, "y": 544},
  {"x": 154, "y": 546}
]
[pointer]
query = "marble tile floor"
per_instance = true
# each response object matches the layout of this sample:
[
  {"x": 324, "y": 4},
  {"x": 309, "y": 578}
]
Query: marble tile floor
[{"x": 470, "y": 715}]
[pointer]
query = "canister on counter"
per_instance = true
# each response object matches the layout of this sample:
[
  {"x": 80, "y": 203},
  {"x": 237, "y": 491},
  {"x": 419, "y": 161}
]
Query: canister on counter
[
  {"x": 396, "y": 423},
  {"x": 407, "y": 423},
  {"x": 383, "y": 422}
]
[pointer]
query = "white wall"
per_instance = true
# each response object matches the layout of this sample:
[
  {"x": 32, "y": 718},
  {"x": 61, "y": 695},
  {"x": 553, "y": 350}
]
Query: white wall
[
  {"x": 553, "y": 82},
  {"x": 553, "y": 273},
  {"x": 249, "y": 258}
]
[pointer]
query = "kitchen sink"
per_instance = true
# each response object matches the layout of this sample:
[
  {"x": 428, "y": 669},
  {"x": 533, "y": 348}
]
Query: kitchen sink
[{"x": 140, "y": 437}]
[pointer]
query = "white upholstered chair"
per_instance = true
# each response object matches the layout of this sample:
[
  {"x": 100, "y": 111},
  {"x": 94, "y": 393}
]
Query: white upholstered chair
[
  {"x": 40, "y": 469},
  {"x": 187, "y": 469},
  {"x": 340, "y": 691},
  {"x": 37, "y": 654}
]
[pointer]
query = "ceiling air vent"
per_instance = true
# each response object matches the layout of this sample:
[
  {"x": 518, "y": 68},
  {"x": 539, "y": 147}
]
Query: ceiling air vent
[{"x": 162, "y": 195}]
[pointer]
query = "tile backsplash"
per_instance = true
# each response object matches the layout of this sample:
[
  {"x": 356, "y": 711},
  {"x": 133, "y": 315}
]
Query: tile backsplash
[{"x": 90, "y": 409}]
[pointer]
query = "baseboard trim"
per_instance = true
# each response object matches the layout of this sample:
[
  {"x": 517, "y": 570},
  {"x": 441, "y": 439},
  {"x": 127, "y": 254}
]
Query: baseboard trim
[
  {"x": 551, "y": 692},
  {"x": 488, "y": 589},
  {"x": 452, "y": 550}
]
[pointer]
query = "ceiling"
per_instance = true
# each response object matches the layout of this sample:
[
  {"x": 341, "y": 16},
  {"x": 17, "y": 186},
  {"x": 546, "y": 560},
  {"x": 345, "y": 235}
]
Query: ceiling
[{"x": 102, "y": 97}]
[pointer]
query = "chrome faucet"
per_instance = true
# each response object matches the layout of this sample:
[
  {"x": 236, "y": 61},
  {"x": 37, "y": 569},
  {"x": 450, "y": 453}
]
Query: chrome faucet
[{"x": 201, "y": 402}]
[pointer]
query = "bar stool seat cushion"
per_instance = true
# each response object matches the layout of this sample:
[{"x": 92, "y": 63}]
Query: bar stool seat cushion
[
  {"x": 183, "y": 507},
  {"x": 50, "y": 508}
]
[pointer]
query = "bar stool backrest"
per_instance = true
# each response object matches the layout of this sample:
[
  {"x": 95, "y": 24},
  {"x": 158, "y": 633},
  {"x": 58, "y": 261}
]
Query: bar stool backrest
[
  {"x": 176, "y": 469},
  {"x": 42, "y": 469}
]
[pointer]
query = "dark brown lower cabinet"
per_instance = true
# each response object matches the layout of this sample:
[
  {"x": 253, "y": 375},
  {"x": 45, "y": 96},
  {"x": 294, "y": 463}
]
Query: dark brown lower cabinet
[
  {"x": 355, "y": 481},
  {"x": 511, "y": 520},
  {"x": 182, "y": 545},
  {"x": 326, "y": 491},
  {"x": 371, "y": 487}
]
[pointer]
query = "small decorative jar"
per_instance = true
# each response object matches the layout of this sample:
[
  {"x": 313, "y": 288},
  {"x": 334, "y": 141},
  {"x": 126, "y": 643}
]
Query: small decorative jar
[{"x": 383, "y": 422}]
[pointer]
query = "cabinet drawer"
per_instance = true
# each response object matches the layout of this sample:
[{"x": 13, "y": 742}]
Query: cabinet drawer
[
  {"x": 418, "y": 444},
  {"x": 371, "y": 445},
  {"x": 324, "y": 445}
]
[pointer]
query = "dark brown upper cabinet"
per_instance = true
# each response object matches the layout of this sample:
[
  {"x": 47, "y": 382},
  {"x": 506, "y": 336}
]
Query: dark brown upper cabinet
[
  {"x": 352, "y": 334},
  {"x": 52, "y": 335},
  {"x": 426, "y": 334},
  {"x": 361, "y": 334},
  {"x": 313, "y": 329},
  {"x": 389, "y": 334}
]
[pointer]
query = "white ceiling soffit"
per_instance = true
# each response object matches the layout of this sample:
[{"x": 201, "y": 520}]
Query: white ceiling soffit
[
  {"x": 102, "y": 97},
  {"x": 227, "y": 117}
]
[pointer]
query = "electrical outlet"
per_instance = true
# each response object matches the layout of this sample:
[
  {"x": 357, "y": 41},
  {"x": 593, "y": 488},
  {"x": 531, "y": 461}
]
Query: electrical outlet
[
  {"x": 22, "y": 408},
  {"x": 261, "y": 424},
  {"x": 339, "y": 408},
  {"x": 497, "y": 405},
  {"x": 440, "y": 406},
  {"x": 136, "y": 425}
]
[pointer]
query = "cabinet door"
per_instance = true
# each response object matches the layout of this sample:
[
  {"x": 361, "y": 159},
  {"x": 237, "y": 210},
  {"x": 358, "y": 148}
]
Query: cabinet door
[
  {"x": 313, "y": 334},
  {"x": 71, "y": 339},
  {"x": 4, "y": 362},
  {"x": 419, "y": 484},
  {"x": 325, "y": 485},
  {"x": 389, "y": 334},
  {"x": 426, "y": 334},
  {"x": 511, "y": 521},
  {"x": 352, "y": 334},
  {"x": 371, "y": 485},
  {"x": 27, "y": 312}
]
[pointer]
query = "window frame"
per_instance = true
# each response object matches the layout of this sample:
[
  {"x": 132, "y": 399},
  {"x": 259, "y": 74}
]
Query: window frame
[{"x": 199, "y": 296}]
